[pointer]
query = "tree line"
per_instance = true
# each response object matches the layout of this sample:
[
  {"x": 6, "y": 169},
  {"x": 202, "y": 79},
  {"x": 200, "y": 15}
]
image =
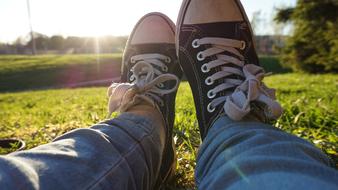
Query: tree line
[
  {"x": 60, "y": 44},
  {"x": 313, "y": 46}
]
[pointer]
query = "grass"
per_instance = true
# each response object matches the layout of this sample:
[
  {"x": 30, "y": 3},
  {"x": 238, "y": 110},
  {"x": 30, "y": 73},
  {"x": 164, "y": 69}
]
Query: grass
[
  {"x": 310, "y": 103},
  {"x": 17, "y": 63},
  {"x": 19, "y": 72}
]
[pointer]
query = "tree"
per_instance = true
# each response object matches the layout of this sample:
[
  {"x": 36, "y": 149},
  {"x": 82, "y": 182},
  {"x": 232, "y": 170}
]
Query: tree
[
  {"x": 56, "y": 43},
  {"x": 313, "y": 47},
  {"x": 73, "y": 42},
  {"x": 40, "y": 40}
]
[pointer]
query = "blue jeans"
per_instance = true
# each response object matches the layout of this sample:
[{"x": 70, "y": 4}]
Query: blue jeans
[{"x": 126, "y": 153}]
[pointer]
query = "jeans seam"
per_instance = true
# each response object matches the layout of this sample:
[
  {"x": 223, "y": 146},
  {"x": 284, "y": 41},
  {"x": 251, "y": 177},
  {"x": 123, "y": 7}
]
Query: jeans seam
[
  {"x": 149, "y": 134},
  {"x": 123, "y": 157}
]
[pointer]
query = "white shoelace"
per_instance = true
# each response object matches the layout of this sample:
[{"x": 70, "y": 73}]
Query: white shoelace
[
  {"x": 147, "y": 83},
  {"x": 236, "y": 104}
]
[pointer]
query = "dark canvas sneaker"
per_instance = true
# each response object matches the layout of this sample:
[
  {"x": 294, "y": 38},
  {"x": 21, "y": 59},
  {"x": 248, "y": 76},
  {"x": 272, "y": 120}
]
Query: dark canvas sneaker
[
  {"x": 150, "y": 72},
  {"x": 215, "y": 47}
]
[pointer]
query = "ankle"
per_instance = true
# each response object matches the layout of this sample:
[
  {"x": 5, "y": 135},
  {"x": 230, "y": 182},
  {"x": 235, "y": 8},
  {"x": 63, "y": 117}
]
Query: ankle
[{"x": 145, "y": 109}]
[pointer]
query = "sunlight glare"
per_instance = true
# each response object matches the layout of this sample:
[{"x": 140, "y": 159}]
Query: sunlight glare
[{"x": 96, "y": 18}]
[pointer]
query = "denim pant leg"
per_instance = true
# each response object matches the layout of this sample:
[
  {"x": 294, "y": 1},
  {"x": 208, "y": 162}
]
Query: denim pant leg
[
  {"x": 122, "y": 153},
  {"x": 251, "y": 155}
]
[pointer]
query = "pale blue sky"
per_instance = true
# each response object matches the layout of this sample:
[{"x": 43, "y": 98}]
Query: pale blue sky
[{"x": 100, "y": 17}]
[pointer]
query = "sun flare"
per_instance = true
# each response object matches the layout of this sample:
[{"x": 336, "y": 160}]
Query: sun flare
[{"x": 92, "y": 17}]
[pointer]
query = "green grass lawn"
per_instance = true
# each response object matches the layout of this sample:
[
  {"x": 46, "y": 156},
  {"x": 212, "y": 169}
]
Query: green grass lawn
[
  {"x": 310, "y": 103},
  {"x": 18, "y": 72},
  {"x": 17, "y": 63}
]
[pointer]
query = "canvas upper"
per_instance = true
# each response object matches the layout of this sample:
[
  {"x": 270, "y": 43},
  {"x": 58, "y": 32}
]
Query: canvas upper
[
  {"x": 150, "y": 71},
  {"x": 217, "y": 54}
]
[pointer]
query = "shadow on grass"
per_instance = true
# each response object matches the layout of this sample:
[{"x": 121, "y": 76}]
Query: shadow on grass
[{"x": 57, "y": 76}]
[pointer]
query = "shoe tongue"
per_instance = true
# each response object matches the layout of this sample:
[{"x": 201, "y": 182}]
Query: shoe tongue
[
  {"x": 228, "y": 30},
  {"x": 162, "y": 48},
  {"x": 221, "y": 30},
  {"x": 232, "y": 30},
  {"x": 150, "y": 48}
]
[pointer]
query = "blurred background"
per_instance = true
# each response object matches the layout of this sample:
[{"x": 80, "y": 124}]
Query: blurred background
[{"x": 88, "y": 26}]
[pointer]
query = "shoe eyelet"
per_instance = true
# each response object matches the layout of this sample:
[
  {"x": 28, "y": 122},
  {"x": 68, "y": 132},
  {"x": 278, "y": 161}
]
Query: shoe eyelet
[
  {"x": 195, "y": 43},
  {"x": 211, "y": 94},
  {"x": 168, "y": 60},
  {"x": 243, "y": 45},
  {"x": 161, "y": 85},
  {"x": 211, "y": 108},
  {"x": 132, "y": 60},
  {"x": 165, "y": 69},
  {"x": 209, "y": 81},
  {"x": 200, "y": 56},
  {"x": 132, "y": 78},
  {"x": 205, "y": 68}
]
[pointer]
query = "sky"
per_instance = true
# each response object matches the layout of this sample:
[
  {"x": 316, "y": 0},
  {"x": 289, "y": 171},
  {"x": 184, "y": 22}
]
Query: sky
[{"x": 101, "y": 17}]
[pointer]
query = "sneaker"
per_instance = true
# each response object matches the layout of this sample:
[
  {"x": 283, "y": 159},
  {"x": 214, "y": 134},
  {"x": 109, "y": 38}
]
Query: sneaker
[
  {"x": 150, "y": 73},
  {"x": 214, "y": 43}
]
